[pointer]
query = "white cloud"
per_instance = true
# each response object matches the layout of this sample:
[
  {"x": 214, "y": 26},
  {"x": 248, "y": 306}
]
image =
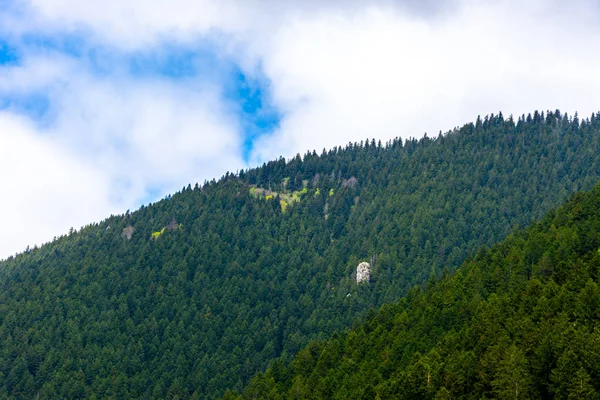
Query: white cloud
[
  {"x": 149, "y": 134},
  {"x": 345, "y": 70},
  {"x": 46, "y": 190}
]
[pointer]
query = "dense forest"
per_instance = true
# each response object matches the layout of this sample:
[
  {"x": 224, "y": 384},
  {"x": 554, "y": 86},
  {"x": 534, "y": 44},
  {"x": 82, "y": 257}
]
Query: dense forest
[
  {"x": 196, "y": 293},
  {"x": 519, "y": 321}
]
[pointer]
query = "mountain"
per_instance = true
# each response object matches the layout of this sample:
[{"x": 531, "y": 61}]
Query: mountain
[
  {"x": 198, "y": 292},
  {"x": 519, "y": 321}
]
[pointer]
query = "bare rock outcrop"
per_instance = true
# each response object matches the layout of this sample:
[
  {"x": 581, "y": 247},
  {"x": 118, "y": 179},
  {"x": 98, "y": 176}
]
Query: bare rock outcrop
[
  {"x": 172, "y": 225},
  {"x": 363, "y": 272},
  {"x": 350, "y": 182},
  {"x": 128, "y": 232}
]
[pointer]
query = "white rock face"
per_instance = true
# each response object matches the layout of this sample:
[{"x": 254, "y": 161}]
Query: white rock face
[
  {"x": 128, "y": 232},
  {"x": 363, "y": 272}
]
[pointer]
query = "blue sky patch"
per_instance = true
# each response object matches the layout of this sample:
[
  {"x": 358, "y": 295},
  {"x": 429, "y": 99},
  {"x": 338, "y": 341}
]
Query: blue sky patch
[
  {"x": 202, "y": 63},
  {"x": 173, "y": 61},
  {"x": 8, "y": 54},
  {"x": 258, "y": 114},
  {"x": 70, "y": 44},
  {"x": 34, "y": 105}
]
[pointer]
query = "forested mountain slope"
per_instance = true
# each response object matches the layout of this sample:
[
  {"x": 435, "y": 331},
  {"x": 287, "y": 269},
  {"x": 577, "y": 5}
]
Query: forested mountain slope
[
  {"x": 198, "y": 292},
  {"x": 520, "y": 321}
]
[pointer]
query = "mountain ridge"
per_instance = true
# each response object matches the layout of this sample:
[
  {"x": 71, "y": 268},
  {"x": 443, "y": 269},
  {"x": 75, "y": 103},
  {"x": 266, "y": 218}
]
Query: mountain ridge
[{"x": 241, "y": 280}]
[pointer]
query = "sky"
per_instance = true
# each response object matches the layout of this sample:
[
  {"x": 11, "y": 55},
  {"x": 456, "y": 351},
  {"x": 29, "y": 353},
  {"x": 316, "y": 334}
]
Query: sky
[{"x": 105, "y": 106}]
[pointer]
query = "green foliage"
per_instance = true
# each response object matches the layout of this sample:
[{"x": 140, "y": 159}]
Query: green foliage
[
  {"x": 510, "y": 324},
  {"x": 241, "y": 283},
  {"x": 286, "y": 197},
  {"x": 156, "y": 235},
  {"x": 284, "y": 204}
]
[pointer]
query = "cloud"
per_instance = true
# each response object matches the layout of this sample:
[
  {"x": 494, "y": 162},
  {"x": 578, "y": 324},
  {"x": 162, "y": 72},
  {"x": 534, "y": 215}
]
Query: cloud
[
  {"x": 150, "y": 135},
  {"x": 40, "y": 198},
  {"x": 342, "y": 71}
]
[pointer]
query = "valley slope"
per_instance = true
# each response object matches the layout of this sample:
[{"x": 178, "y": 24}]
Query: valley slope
[{"x": 520, "y": 321}]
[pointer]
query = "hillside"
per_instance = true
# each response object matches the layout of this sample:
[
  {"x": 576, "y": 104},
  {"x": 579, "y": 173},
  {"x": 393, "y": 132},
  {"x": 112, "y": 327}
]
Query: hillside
[
  {"x": 520, "y": 321},
  {"x": 198, "y": 292}
]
